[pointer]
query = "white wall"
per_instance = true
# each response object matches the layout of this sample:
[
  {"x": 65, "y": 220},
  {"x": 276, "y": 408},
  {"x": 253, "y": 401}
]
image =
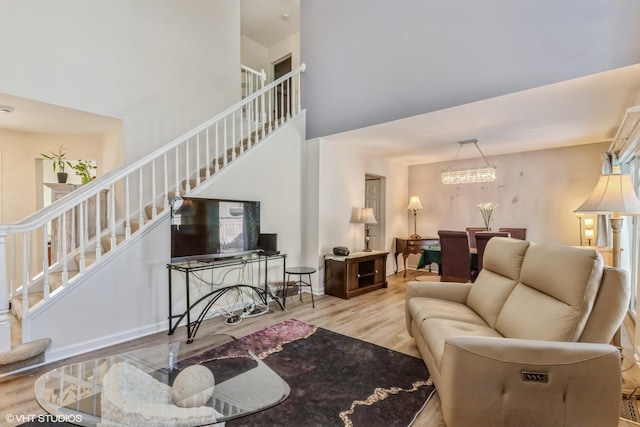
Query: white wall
[
  {"x": 127, "y": 295},
  {"x": 258, "y": 56},
  {"x": 155, "y": 64},
  {"x": 288, "y": 46},
  {"x": 341, "y": 187},
  {"x": 254, "y": 55},
  {"x": 538, "y": 190},
  {"x": 21, "y": 187}
]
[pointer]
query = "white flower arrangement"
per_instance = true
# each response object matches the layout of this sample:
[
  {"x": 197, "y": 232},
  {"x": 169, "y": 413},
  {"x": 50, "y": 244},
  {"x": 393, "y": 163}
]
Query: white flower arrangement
[{"x": 487, "y": 209}]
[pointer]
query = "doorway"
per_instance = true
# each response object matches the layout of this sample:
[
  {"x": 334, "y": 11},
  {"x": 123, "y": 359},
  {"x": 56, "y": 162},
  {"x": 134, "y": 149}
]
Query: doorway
[
  {"x": 374, "y": 197},
  {"x": 282, "y": 104}
]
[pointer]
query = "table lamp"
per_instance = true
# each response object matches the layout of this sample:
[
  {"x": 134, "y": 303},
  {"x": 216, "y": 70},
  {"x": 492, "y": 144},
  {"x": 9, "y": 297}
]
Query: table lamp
[
  {"x": 367, "y": 218},
  {"x": 589, "y": 234},
  {"x": 415, "y": 206}
]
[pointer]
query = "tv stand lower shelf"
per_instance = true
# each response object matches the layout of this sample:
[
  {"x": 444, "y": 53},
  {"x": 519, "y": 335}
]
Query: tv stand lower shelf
[{"x": 356, "y": 274}]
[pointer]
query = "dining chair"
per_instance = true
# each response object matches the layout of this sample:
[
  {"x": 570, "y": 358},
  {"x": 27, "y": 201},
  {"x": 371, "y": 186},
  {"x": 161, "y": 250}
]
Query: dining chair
[
  {"x": 516, "y": 233},
  {"x": 455, "y": 257},
  {"x": 482, "y": 237},
  {"x": 472, "y": 234}
]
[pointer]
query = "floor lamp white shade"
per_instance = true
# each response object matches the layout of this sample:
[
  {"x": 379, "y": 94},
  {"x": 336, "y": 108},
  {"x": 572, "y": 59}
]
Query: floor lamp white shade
[{"x": 613, "y": 195}]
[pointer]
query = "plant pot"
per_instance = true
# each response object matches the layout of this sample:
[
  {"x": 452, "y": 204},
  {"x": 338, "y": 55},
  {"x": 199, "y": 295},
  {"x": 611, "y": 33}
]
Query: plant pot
[
  {"x": 62, "y": 177},
  {"x": 86, "y": 179}
]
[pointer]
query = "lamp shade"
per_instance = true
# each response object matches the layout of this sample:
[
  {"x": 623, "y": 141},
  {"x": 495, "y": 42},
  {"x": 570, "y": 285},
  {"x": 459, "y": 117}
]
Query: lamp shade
[
  {"x": 613, "y": 194},
  {"x": 367, "y": 216},
  {"x": 414, "y": 203}
]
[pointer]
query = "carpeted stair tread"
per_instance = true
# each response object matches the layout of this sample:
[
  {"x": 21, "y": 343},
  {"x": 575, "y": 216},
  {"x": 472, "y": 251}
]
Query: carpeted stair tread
[
  {"x": 105, "y": 241},
  {"x": 23, "y": 355},
  {"x": 135, "y": 224},
  {"x": 55, "y": 278},
  {"x": 89, "y": 258},
  {"x": 203, "y": 172},
  {"x": 148, "y": 210},
  {"x": 192, "y": 184},
  {"x": 55, "y": 281},
  {"x": 16, "y": 329},
  {"x": 221, "y": 159},
  {"x": 16, "y": 303}
]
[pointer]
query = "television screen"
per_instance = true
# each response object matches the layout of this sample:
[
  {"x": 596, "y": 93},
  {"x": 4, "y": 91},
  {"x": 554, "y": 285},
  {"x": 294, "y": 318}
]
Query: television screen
[{"x": 214, "y": 228}]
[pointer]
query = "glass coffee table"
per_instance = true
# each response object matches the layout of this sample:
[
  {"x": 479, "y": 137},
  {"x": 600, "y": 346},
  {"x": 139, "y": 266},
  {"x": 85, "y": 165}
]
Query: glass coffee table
[{"x": 82, "y": 393}]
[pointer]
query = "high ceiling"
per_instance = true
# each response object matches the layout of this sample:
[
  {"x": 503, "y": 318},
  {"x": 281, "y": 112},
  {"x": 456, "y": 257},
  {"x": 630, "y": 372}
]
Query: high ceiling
[
  {"x": 579, "y": 111},
  {"x": 39, "y": 117},
  {"x": 517, "y": 76},
  {"x": 269, "y": 21}
]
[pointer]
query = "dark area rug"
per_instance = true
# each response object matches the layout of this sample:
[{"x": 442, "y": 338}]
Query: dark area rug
[{"x": 335, "y": 380}]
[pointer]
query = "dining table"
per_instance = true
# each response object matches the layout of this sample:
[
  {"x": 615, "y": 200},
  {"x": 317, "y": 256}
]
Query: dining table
[{"x": 433, "y": 255}]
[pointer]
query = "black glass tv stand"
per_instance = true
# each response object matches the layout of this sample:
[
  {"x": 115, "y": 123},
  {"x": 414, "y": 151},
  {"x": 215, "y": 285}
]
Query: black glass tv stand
[{"x": 190, "y": 267}]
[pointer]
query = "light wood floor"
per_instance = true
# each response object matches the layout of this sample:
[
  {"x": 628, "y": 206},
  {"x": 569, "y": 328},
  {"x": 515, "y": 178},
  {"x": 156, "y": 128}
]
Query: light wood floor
[{"x": 376, "y": 317}]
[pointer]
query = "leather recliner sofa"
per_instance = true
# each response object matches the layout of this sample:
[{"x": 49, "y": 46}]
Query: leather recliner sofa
[{"x": 527, "y": 344}]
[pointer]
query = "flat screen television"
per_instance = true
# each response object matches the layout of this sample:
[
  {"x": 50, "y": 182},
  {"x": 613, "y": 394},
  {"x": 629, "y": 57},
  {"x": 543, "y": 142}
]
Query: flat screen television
[{"x": 204, "y": 229}]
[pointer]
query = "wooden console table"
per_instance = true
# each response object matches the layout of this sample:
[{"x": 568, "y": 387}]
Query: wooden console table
[
  {"x": 412, "y": 246},
  {"x": 355, "y": 274}
]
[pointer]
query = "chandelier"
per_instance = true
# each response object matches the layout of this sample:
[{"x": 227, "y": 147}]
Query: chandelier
[{"x": 469, "y": 175}]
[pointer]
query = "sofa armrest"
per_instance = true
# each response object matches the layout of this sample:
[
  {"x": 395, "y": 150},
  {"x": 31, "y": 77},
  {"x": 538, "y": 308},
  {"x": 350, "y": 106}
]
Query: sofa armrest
[
  {"x": 502, "y": 381},
  {"x": 448, "y": 291}
]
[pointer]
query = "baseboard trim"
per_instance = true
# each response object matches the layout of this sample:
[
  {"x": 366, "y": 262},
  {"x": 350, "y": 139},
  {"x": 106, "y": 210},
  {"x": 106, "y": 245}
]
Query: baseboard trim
[{"x": 98, "y": 343}]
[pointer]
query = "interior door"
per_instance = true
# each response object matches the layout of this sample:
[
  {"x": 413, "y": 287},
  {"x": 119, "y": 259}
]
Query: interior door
[{"x": 372, "y": 200}]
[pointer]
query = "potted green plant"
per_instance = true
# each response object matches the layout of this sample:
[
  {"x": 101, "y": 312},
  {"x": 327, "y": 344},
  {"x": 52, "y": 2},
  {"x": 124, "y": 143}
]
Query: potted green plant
[
  {"x": 59, "y": 163},
  {"x": 84, "y": 169}
]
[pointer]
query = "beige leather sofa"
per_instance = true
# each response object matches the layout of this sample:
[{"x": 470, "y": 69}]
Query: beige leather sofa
[{"x": 527, "y": 343}]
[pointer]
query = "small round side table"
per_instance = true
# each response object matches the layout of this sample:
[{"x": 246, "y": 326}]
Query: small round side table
[{"x": 300, "y": 272}]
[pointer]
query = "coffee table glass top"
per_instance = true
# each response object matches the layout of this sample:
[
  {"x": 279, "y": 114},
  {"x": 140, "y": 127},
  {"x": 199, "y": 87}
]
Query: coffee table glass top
[{"x": 137, "y": 390}]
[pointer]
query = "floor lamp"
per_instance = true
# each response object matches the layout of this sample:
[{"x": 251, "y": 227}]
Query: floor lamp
[{"x": 613, "y": 195}]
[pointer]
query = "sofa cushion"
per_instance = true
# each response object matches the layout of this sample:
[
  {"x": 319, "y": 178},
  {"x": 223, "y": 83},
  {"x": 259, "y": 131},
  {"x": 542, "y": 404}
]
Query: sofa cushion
[
  {"x": 502, "y": 262},
  {"x": 436, "y": 331},
  {"x": 555, "y": 295},
  {"x": 430, "y": 308}
]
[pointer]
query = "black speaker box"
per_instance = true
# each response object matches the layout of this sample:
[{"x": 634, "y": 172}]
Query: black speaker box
[
  {"x": 341, "y": 251},
  {"x": 268, "y": 242}
]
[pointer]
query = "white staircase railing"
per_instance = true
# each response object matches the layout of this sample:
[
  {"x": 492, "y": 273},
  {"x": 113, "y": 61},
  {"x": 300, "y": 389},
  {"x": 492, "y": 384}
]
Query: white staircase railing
[
  {"x": 252, "y": 80},
  {"x": 137, "y": 195}
]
